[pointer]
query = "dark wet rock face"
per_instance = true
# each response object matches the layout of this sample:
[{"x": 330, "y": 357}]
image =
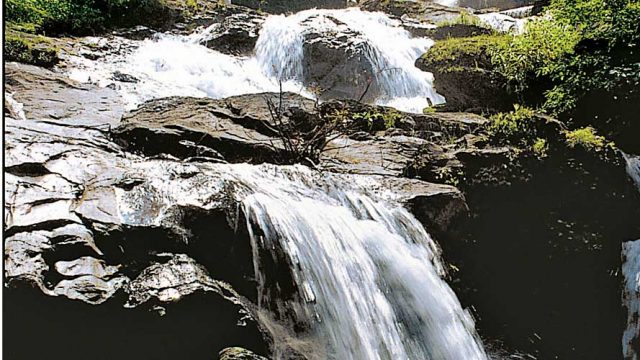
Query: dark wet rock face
[
  {"x": 236, "y": 34},
  {"x": 85, "y": 223},
  {"x": 465, "y": 76},
  {"x": 235, "y": 129},
  {"x": 554, "y": 229},
  {"x": 335, "y": 60}
]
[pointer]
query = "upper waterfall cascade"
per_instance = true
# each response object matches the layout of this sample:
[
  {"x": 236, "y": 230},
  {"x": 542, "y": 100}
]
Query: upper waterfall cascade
[
  {"x": 169, "y": 65},
  {"x": 367, "y": 272}
]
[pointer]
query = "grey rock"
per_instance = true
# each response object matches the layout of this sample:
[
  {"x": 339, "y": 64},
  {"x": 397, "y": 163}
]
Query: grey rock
[
  {"x": 57, "y": 98},
  {"x": 236, "y": 34},
  {"x": 335, "y": 61}
]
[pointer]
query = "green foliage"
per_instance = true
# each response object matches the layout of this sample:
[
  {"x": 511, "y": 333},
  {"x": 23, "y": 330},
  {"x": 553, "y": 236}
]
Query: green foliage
[
  {"x": 373, "y": 118},
  {"x": 540, "y": 147},
  {"x": 607, "y": 60},
  {"x": 465, "y": 18},
  {"x": 514, "y": 128},
  {"x": 534, "y": 52},
  {"x": 476, "y": 47},
  {"x": 585, "y": 53},
  {"x": 31, "y": 49},
  {"x": 72, "y": 16},
  {"x": 586, "y": 138}
]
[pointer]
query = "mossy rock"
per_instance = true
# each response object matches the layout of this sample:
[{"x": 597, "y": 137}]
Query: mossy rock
[
  {"x": 465, "y": 75},
  {"x": 30, "y": 49},
  {"x": 449, "y": 31}
]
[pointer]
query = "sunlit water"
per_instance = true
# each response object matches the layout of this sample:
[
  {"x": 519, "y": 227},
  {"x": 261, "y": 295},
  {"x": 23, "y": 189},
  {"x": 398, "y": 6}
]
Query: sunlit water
[
  {"x": 179, "y": 65},
  {"x": 367, "y": 272}
]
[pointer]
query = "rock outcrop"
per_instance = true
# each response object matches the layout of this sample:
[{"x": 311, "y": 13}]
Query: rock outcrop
[
  {"x": 56, "y": 98},
  {"x": 557, "y": 251},
  {"x": 420, "y": 10},
  {"x": 465, "y": 76},
  {"x": 335, "y": 60},
  {"x": 235, "y": 34}
]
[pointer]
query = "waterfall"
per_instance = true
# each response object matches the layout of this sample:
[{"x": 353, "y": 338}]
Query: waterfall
[
  {"x": 633, "y": 167},
  {"x": 179, "y": 65},
  {"x": 390, "y": 48},
  {"x": 631, "y": 274},
  {"x": 367, "y": 272},
  {"x": 631, "y": 298}
]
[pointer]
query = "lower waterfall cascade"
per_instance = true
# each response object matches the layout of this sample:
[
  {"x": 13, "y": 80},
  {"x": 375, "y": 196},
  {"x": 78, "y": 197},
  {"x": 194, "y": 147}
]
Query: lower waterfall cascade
[{"x": 367, "y": 272}]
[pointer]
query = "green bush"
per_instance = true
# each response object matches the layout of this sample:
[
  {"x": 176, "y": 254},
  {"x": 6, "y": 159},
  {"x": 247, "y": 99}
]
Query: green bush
[
  {"x": 34, "y": 51},
  {"x": 535, "y": 52},
  {"x": 67, "y": 16},
  {"x": 586, "y": 138},
  {"x": 467, "y": 55},
  {"x": 585, "y": 53},
  {"x": 514, "y": 128},
  {"x": 540, "y": 147}
]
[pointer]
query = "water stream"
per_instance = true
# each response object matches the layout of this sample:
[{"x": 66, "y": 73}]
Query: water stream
[
  {"x": 368, "y": 273},
  {"x": 179, "y": 65}
]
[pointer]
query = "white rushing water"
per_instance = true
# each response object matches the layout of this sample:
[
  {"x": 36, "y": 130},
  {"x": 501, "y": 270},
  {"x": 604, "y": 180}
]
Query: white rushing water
[
  {"x": 631, "y": 273},
  {"x": 389, "y": 48},
  {"x": 368, "y": 272},
  {"x": 633, "y": 167},
  {"x": 631, "y": 298},
  {"x": 179, "y": 65}
]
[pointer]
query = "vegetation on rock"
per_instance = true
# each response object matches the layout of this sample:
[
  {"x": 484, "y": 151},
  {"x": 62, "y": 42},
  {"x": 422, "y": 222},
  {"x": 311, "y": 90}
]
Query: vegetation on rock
[
  {"x": 586, "y": 138},
  {"x": 514, "y": 128},
  {"x": 30, "y": 49},
  {"x": 587, "y": 49}
]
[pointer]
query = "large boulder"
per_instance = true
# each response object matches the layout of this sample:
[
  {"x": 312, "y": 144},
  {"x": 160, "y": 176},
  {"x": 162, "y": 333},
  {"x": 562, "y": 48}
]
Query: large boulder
[
  {"x": 465, "y": 75},
  {"x": 235, "y": 34},
  {"x": 335, "y": 60},
  {"x": 83, "y": 221}
]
